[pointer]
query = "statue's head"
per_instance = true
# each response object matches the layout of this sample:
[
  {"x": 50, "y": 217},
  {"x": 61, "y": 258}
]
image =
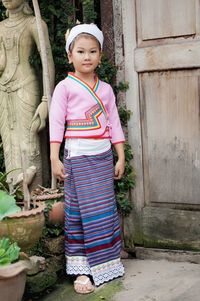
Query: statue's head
[{"x": 14, "y": 5}]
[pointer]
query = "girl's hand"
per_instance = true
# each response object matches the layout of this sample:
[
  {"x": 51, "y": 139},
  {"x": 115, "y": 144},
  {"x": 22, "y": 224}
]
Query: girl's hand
[
  {"x": 119, "y": 169},
  {"x": 58, "y": 169}
]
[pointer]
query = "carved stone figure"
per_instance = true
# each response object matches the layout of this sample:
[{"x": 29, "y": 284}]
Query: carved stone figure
[{"x": 22, "y": 110}]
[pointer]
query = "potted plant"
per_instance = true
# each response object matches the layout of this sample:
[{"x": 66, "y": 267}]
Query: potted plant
[
  {"x": 54, "y": 203},
  {"x": 12, "y": 271},
  {"x": 20, "y": 220}
]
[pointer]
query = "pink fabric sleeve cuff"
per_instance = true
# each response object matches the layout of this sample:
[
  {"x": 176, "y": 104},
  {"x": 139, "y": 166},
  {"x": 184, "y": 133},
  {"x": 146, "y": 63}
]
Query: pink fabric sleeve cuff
[
  {"x": 117, "y": 142},
  {"x": 59, "y": 142}
]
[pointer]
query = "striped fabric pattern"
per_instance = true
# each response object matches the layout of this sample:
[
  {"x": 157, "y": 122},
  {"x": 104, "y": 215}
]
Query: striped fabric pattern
[{"x": 92, "y": 230}]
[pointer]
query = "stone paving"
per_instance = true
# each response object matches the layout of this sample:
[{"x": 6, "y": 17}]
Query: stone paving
[{"x": 145, "y": 280}]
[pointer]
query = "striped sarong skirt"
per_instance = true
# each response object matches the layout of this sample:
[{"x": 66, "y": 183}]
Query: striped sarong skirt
[{"x": 92, "y": 229}]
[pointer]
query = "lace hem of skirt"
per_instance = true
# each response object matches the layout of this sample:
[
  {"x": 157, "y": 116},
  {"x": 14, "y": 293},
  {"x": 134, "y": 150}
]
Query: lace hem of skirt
[
  {"x": 107, "y": 271},
  {"x": 78, "y": 265}
]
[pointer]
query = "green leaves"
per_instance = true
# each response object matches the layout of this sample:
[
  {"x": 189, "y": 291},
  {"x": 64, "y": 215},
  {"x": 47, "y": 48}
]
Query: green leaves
[
  {"x": 107, "y": 71},
  {"x": 7, "y": 205},
  {"x": 9, "y": 252},
  {"x": 89, "y": 15},
  {"x": 59, "y": 16},
  {"x": 124, "y": 115},
  {"x": 3, "y": 184},
  {"x": 13, "y": 252},
  {"x": 4, "y": 243},
  {"x": 127, "y": 182}
]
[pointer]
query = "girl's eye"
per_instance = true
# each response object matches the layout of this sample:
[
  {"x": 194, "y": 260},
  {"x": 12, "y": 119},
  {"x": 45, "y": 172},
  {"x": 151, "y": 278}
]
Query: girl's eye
[
  {"x": 93, "y": 51},
  {"x": 80, "y": 51}
]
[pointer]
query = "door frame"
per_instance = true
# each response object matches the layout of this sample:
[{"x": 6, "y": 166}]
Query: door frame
[{"x": 132, "y": 98}]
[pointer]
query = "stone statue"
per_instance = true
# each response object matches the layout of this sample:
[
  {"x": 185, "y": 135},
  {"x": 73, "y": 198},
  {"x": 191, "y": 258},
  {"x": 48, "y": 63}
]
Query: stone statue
[{"x": 23, "y": 111}]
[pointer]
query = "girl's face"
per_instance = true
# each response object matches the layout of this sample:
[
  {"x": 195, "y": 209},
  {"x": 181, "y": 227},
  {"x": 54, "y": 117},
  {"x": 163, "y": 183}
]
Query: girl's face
[
  {"x": 12, "y": 4},
  {"x": 85, "y": 55}
]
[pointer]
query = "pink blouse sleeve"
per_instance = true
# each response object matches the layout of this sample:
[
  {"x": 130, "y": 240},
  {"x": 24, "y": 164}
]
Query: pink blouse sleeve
[
  {"x": 116, "y": 128},
  {"x": 57, "y": 114}
]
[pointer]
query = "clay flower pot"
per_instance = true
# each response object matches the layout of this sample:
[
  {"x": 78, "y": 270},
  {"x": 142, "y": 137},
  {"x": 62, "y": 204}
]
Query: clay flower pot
[
  {"x": 24, "y": 227},
  {"x": 13, "y": 280},
  {"x": 57, "y": 214}
]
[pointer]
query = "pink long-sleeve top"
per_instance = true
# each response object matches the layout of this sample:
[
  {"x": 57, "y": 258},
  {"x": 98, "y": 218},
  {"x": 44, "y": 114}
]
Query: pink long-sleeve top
[{"x": 79, "y": 111}]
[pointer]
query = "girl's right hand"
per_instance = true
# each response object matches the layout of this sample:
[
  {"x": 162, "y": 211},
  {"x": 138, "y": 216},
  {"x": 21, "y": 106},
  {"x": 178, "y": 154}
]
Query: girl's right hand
[{"x": 58, "y": 169}]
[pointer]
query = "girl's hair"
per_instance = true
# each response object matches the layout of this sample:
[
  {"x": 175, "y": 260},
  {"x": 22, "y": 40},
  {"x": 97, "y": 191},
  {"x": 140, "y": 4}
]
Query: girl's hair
[
  {"x": 26, "y": 9},
  {"x": 85, "y": 35}
]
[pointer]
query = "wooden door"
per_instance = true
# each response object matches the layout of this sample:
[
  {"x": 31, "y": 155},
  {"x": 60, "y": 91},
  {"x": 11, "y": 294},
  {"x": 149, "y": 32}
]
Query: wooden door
[{"x": 162, "y": 65}]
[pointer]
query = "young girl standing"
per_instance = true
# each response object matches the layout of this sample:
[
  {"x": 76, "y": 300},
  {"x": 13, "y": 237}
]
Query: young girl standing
[{"x": 83, "y": 110}]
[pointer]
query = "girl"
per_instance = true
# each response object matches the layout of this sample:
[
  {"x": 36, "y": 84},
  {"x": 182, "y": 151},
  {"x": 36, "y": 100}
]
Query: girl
[{"x": 86, "y": 106}]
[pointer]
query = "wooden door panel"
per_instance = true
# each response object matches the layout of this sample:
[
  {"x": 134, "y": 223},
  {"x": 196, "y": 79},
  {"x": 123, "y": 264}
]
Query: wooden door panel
[
  {"x": 164, "y": 67},
  {"x": 171, "y": 136},
  {"x": 167, "y": 57},
  {"x": 164, "y": 18}
]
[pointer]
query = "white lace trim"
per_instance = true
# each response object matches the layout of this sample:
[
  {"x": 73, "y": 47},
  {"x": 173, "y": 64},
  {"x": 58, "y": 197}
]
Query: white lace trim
[
  {"x": 107, "y": 271},
  {"x": 77, "y": 265}
]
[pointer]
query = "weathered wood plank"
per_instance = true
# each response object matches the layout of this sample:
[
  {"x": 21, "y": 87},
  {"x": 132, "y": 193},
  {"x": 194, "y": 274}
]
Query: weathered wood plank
[
  {"x": 161, "y": 18},
  {"x": 171, "y": 145},
  {"x": 167, "y": 57}
]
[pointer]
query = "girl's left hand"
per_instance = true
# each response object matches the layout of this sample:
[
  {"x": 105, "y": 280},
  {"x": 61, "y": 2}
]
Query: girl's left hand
[{"x": 119, "y": 169}]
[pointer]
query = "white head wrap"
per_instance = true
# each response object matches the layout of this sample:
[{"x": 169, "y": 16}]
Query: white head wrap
[{"x": 84, "y": 28}]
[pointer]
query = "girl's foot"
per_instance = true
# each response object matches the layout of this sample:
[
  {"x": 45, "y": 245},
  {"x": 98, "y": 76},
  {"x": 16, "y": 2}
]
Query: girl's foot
[{"x": 83, "y": 285}]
